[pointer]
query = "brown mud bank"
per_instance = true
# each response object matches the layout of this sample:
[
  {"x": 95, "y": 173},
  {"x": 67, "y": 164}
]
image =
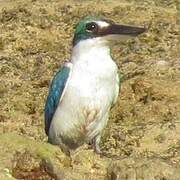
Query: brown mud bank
[{"x": 142, "y": 140}]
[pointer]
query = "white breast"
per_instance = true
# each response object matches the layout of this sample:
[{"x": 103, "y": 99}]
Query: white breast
[{"x": 88, "y": 97}]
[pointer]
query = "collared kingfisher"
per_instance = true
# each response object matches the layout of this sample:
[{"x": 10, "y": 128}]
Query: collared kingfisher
[{"x": 84, "y": 89}]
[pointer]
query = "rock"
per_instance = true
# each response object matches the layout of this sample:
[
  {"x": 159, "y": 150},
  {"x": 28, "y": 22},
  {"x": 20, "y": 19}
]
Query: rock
[
  {"x": 142, "y": 169},
  {"x": 24, "y": 158},
  {"x": 89, "y": 165}
]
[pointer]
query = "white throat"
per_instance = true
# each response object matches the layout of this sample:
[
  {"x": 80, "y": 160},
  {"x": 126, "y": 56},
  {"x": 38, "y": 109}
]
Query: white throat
[{"x": 90, "y": 48}]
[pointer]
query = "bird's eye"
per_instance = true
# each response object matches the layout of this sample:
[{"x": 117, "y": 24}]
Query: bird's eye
[{"x": 91, "y": 27}]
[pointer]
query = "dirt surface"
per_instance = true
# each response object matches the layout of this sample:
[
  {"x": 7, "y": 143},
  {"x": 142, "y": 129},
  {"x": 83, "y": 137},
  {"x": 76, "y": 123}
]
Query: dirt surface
[{"x": 142, "y": 140}]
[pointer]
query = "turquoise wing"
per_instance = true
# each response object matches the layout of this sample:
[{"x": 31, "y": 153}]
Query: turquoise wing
[{"x": 56, "y": 93}]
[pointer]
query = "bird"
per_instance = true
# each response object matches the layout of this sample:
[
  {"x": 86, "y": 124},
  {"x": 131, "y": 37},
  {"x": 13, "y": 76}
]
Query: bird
[{"x": 85, "y": 88}]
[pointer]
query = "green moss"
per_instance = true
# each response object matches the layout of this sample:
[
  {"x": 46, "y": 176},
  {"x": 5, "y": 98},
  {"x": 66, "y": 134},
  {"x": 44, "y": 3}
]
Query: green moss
[{"x": 43, "y": 150}]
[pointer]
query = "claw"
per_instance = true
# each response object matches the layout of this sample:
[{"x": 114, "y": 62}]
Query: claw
[{"x": 95, "y": 144}]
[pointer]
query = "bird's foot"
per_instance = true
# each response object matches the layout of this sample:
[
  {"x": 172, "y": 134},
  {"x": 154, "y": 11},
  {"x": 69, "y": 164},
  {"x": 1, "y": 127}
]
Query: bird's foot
[
  {"x": 95, "y": 144},
  {"x": 97, "y": 149},
  {"x": 65, "y": 149}
]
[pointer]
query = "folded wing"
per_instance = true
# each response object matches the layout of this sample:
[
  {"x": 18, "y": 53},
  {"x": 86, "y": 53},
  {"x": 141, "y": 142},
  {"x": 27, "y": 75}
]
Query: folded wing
[{"x": 56, "y": 93}]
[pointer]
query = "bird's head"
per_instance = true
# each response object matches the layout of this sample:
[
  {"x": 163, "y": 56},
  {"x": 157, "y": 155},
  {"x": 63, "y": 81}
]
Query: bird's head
[{"x": 103, "y": 30}]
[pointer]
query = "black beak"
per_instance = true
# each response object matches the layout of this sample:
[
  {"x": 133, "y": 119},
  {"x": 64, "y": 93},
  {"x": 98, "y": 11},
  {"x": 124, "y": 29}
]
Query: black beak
[{"x": 115, "y": 29}]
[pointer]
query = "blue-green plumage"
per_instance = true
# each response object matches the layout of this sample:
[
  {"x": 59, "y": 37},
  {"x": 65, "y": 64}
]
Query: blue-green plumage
[{"x": 55, "y": 93}]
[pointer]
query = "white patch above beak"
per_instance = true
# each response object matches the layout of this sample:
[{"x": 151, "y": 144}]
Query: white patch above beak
[{"x": 102, "y": 24}]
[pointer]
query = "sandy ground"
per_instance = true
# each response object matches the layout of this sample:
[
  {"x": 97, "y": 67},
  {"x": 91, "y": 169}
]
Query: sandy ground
[{"x": 35, "y": 40}]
